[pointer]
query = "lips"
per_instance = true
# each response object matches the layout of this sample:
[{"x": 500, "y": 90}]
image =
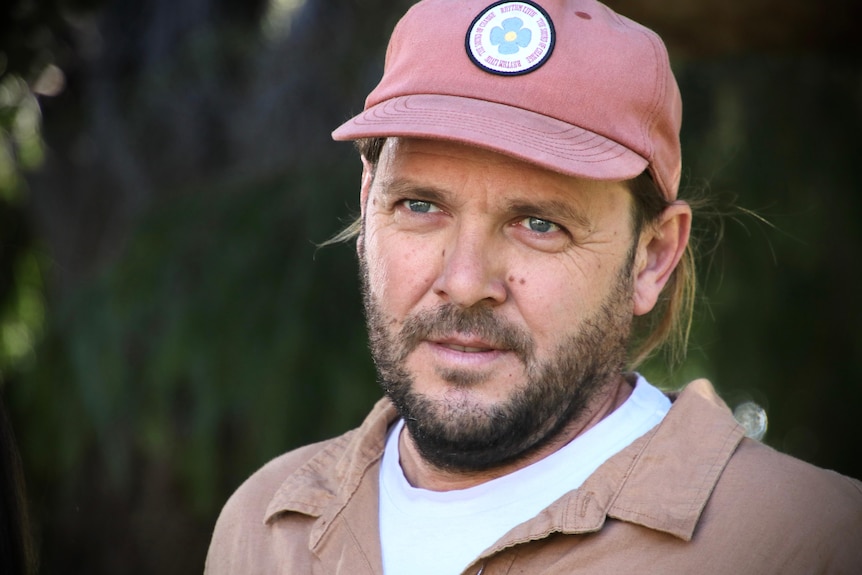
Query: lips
[
  {"x": 468, "y": 354},
  {"x": 467, "y": 345},
  {"x": 472, "y": 336},
  {"x": 465, "y": 349}
]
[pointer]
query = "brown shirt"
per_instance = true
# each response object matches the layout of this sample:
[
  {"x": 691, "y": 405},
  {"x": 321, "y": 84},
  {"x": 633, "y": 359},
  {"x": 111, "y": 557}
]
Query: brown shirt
[{"x": 691, "y": 496}]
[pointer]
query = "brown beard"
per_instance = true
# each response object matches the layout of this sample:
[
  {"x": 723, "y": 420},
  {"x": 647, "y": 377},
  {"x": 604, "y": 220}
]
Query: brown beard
[{"x": 457, "y": 435}]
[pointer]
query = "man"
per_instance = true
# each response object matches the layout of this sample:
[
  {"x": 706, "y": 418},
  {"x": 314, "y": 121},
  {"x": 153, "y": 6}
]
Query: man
[{"x": 519, "y": 219}]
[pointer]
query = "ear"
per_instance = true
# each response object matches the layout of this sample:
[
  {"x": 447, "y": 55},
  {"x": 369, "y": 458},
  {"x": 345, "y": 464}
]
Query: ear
[{"x": 660, "y": 248}]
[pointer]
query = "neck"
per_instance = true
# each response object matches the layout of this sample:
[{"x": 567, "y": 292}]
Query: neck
[{"x": 424, "y": 475}]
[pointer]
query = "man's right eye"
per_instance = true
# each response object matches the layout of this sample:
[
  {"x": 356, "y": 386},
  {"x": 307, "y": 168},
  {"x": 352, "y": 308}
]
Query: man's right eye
[{"x": 420, "y": 206}]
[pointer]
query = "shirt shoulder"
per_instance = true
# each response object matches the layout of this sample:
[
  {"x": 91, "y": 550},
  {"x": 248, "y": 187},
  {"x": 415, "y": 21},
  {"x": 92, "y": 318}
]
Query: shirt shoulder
[
  {"x": 784, "y": 487},
  {"x": 241, "y": 535},
  {"x": 279, "y": 513},
  {"x": 253, "y": 496},
  {"x": 794, "y": 516},
  {"x": 696, "y": 496}
]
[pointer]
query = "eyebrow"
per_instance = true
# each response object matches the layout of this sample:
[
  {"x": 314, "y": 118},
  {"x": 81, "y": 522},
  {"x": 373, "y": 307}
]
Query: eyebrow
[{"x": 409, "y": 188}]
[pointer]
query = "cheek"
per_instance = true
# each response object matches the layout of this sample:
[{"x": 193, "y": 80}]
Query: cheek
[
  {"x": 539, "y": 292},
  {"x": 553, "y": 300},
  {"x": 400, "y": 272}
]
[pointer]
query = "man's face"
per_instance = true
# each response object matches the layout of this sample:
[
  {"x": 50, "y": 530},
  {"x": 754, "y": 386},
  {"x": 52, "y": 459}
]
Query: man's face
[{"x": 498, "y": 297}]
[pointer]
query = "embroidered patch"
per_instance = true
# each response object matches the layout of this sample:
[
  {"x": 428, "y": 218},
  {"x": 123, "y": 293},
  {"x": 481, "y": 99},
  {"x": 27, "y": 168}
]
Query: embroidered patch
[{"x": 510, "y": 38}]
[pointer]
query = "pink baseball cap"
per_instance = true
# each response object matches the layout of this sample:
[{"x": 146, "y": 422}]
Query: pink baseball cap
[{"x": 568, "y": 85}]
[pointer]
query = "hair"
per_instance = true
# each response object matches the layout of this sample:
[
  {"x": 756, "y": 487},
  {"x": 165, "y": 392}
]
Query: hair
[{"x": 668, "y": 325}]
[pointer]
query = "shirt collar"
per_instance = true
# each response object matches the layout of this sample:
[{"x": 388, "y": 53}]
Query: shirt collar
[
  {"x": 671, "y": 479},
  {"x": 335, "y": 472}
]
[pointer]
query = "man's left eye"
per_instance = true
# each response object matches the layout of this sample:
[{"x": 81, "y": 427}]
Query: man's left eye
[{"x": 539, "y": 225}]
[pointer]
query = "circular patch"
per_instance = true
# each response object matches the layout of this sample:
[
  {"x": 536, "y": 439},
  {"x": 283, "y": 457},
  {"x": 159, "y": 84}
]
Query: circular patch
[{"x": 510, "y": 38}]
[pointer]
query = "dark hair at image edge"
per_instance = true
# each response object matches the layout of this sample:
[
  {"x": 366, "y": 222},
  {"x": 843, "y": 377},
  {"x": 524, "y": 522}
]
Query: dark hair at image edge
[{"x": 17, "y": 554}]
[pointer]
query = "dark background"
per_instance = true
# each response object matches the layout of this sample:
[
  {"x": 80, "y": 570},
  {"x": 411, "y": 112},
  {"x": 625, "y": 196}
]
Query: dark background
[{"x": 167, "y": 324}]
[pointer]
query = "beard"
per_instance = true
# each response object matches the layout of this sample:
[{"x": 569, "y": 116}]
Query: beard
[{"x": 457, "y": 433}]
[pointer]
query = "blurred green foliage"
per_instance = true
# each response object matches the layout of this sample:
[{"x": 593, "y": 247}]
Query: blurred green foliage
[
  {"x": 218, "y": 340},
  {"x": 223, "y": 337},
  {"x": 21, "y": 285}
]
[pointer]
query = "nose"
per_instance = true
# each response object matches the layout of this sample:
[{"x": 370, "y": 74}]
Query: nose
[{"x": 472, "y": 271}]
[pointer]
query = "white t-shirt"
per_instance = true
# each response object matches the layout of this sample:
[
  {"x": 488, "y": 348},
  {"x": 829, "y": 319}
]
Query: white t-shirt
[{"x": 441, "y": 532}]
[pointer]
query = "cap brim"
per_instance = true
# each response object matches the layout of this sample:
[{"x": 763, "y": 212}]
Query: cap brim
[{"x": 515, "y": 132}]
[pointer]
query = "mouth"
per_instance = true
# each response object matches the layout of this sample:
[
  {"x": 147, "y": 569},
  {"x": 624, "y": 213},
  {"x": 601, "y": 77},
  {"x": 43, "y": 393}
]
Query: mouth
[
  {"x": 467, "y": 344},
  {"x": 465, "y": 348},
  {"x": 466, "y": 359}
]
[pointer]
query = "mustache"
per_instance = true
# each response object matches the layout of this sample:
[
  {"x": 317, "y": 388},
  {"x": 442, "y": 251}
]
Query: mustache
[{"x": 479, "y": 321}]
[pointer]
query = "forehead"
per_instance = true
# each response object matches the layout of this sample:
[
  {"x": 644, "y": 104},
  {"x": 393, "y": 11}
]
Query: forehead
[{"x": 460, "y": 169}]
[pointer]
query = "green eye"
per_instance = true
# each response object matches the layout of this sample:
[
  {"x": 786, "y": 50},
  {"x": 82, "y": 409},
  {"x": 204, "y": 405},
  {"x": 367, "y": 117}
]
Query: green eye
[
  {"x": 539, "y": 225},
  {"x": 419, "y": 206}
]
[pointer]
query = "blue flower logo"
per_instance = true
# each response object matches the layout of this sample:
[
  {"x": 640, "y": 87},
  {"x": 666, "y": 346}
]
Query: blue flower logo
[{"x": 511, "y": 36}]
